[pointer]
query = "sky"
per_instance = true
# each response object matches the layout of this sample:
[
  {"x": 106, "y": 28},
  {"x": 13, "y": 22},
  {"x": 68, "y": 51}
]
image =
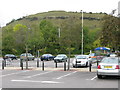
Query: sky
[{"x": 14, "y": 9}]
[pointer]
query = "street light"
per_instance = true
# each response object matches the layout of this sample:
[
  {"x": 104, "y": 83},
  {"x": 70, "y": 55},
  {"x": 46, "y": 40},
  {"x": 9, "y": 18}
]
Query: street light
[
  {"x": 26, "y": 50},
  {"x": 82, "y": 35}
]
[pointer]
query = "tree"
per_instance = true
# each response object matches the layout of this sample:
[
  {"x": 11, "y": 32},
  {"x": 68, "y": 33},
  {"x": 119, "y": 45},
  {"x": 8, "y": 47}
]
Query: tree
[{"x": 110, "y": 32}]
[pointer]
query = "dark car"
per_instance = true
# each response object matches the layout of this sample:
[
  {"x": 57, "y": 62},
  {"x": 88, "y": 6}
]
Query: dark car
[
  {"x": 11, "y": 56},
  {"x": 47, "y": 57}
]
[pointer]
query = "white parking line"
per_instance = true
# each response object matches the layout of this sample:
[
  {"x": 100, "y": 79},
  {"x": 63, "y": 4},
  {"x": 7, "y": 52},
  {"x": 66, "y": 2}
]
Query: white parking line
[
  {"x": 13, "y": 73},
  {"x": 66, "y": 75},
  {"x": 93, "y": 78},
  {"x": 38, "y": 74},
  {"x": 35, "y": 81}
]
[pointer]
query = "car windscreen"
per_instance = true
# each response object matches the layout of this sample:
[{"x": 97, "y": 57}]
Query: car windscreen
[
  {"x": 110, "y": 60},
  {"x": 81, "y": 57},
  {"x": 60, "y": 56}
]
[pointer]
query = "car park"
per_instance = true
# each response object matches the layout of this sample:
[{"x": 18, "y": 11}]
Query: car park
[
  {"x": 109, "y": 66},
  {"x": 60, "y": 58},
  {"x": 47, "y": 57},
  {"x": 81, "y": 60},
  {"x": 26, "y": 56},
  {"x": 10, "y": 56}
]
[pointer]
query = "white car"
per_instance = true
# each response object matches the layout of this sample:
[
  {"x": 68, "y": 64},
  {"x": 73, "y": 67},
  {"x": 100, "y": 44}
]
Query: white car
[
  {"x": 113, "y": 55},
  {"x": 109, "y": 66},
  {"x": 81, "y": 60}
]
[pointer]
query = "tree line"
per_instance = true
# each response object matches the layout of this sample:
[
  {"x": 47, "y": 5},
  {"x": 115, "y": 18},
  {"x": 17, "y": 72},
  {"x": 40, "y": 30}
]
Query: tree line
[{"x": 45, "y": 37}]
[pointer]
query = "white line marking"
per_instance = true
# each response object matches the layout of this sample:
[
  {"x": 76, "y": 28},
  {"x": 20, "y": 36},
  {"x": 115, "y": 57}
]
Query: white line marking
[
  {"x": 94, "y": 78},
  {"x": 35, "y": 81},
  {"x": 66, "y": 75},
  {"x": 12, "y": 74},
  {"x": 38, "y": 74}
]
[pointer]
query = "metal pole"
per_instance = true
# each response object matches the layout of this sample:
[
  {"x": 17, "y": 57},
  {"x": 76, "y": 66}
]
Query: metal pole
[
  {"x": 97, "y": 62},
  {"x": 56, "y": 64},
  {"x": 82, "y": 34},
  {"x": 76, "y": 63},
  {"x": 38, "y": 59},
  {"x": 21, "y": 64},
  {"x": 90, "y": 66},
  {"x": 3, "y": 64},
  {"x": 26, "y": 57},
  {"x": 69, "y": 60},
  {"x": 64, "y": 65},
  {"x": 43, "y": 65}
]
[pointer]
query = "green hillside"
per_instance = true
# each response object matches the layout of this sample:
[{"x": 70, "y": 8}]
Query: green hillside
[
  {"x": 91, "y": 20},
  {"x": 14, "y": 33}
]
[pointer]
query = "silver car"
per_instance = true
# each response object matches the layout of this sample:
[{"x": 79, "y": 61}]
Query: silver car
[
  {"x": 60, "y": 58},
  {"x": 24, "y": 56},
  {"x": 109, "y": 66},
  {"x": 81, "y": 60}
]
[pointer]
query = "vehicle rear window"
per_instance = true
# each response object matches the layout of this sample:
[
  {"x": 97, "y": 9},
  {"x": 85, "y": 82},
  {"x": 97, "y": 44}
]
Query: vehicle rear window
[{"x": 110, "y": 60}]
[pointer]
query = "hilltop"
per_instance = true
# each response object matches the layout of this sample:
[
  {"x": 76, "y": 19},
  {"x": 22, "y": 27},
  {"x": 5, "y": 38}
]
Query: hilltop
[{"x": 43, "y": 33}]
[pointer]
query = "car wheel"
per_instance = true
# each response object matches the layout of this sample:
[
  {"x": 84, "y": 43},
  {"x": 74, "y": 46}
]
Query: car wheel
[{"x": 99, "y": 76}]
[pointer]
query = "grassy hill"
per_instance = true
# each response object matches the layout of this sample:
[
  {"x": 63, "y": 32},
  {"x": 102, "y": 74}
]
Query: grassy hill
[
  {"x": 91, "y": 20},
  {"x": 70, "y": 24}
]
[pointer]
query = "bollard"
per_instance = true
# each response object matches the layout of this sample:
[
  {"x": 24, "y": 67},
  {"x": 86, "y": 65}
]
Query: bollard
[
  {"x": 21, "y": 64},
  {"x": 56, "y": 64},
  {"x": 37, "y": 62},
  {"x": 97, "y": 62},
  {"x": 64, "y": 65},
  {"x": 90, "y": 66},
  {"x": 76, "y": 64},
  {"x": 43, "y": 65},
  {"x": 3, "y": 64}
]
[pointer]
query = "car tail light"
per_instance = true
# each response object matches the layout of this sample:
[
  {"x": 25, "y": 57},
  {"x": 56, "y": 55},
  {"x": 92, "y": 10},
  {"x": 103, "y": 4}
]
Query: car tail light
[
  {"x": 99, "y": 67},
  {"x": 117, "y": 67}
]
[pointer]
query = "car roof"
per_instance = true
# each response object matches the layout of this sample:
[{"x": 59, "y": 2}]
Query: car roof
[
  {"x": 83, "y": 55},
  {"x": 61, "y": 55}
]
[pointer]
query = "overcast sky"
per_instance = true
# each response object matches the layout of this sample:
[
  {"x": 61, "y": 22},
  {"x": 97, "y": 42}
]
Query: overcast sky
[{"x": 14, "y": 9}]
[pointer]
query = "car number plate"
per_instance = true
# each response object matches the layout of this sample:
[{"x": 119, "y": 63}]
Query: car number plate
[{"x": 107, "y": 66}]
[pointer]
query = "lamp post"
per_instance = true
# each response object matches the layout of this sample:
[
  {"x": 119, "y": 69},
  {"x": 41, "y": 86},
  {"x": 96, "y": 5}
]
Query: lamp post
[
  {"x": 27, "y": 50},
  {"x": 82, "y": 35}
]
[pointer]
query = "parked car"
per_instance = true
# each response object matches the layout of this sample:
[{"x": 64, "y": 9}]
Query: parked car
[
  {"x": 24, "y": 56},
  {"x": 113, "y": 55},
  {"x": 109, "y": 66},
  {"x": 11, "y": 56},
  {"x": 60, "y": 58},
  {"x": 92, "y": 55},
  {"x": 93, "y": 60},
  {"x": 81, "y": 60},
  {"x": 47, "y": 57}
]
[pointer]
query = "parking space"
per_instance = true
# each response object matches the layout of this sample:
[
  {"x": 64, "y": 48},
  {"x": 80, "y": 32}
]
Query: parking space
[{"x": 55, "y": 79}]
